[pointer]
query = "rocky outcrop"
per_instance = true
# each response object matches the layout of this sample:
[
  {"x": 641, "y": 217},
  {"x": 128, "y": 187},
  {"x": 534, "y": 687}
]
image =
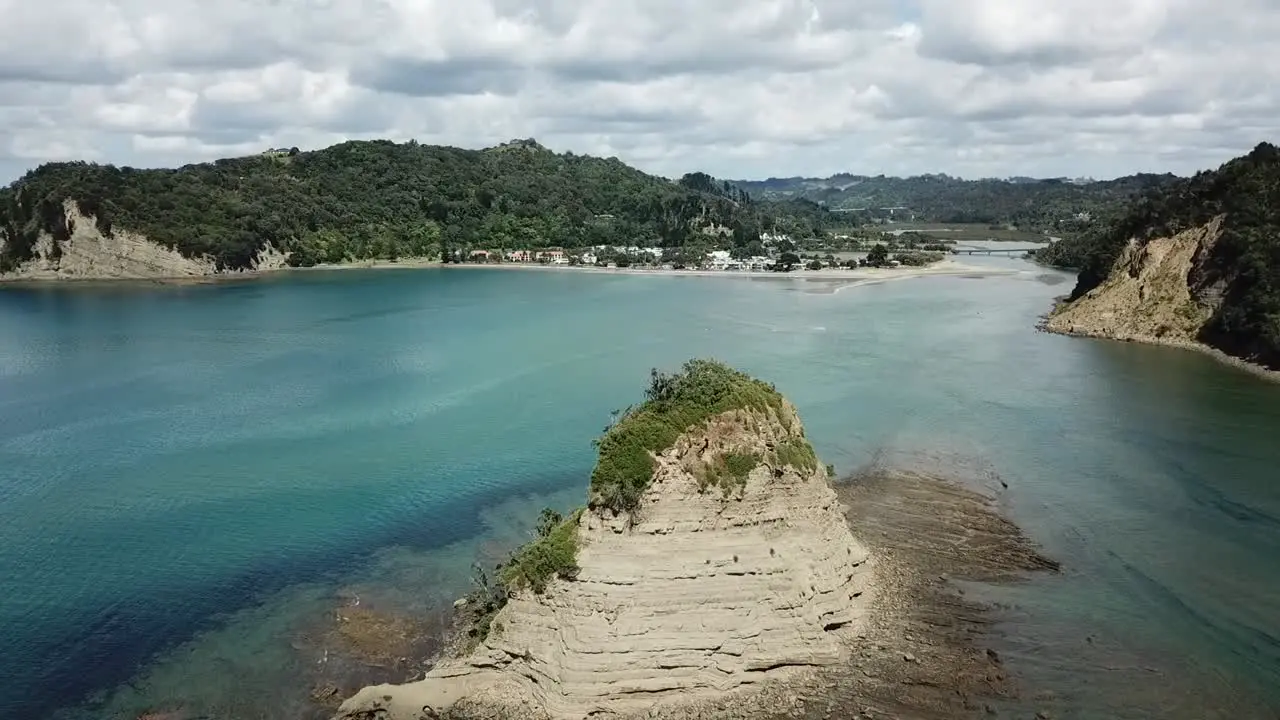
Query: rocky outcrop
[
  {"x": 707, "y": 589},
  {"x": 89, "y": 254},
  {"x": 1151, "y": 294}
]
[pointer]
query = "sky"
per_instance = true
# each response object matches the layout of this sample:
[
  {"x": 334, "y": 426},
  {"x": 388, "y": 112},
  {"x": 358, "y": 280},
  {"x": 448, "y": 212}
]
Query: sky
[{"x": 740, "y": 89}]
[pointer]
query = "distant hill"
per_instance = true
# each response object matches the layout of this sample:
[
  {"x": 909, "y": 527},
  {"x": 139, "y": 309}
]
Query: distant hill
[
  {"x": 1058, "y": 204},
  {"x": 375, "y": 199},
  {"x": 1197, "y": 260}
]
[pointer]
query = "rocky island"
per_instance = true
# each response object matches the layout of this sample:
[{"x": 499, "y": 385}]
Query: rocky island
[
  {"x": 712, "y": 573},
  {"x": 713, "y": 558}
]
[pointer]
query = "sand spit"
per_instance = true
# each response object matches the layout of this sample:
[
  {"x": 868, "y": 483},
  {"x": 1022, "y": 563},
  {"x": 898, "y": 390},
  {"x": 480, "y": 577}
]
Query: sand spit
[{"x": 943, "y": 268}]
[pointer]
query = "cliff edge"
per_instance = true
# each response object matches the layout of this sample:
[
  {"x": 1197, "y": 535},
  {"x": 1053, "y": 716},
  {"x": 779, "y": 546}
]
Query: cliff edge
[
  {"x": 1195, "y": 263},
  {"x": 1148, "y": 296},
  {"x": 79, "y": 248},
  {"x": 719, "y": 562}
]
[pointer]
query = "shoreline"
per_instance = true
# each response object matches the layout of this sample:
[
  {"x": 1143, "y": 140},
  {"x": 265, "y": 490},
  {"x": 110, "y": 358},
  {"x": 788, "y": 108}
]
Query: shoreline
[
  {"x": 941, "y": 268},
  {"x": 944, "y": 268},
  {"x": 923, "y": 652},
  {"x": 1258, "y": 371}
]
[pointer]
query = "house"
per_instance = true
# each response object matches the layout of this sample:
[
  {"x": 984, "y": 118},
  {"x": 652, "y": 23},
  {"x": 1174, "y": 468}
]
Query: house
[
  {"x": 589, "y": 258},
  {"x": 477, "y": 255},
  {"x": 719, "y": 260},
  {"x": 553, "y": 255},
  {"x": 520, "y": 256}
]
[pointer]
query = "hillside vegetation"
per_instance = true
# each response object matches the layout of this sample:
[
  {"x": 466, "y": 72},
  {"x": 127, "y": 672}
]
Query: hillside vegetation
[
  {"x": 1235, "y": 278},
  {"x": 379, "y": 199},
  {"x": 675, "y": 403},
  {"x": 1057, "y": 206}
]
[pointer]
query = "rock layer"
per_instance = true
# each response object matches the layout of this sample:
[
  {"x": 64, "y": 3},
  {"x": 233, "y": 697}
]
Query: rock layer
[
  {"x": 89, "y": 254},
  {"x": 698, "y": 594}
]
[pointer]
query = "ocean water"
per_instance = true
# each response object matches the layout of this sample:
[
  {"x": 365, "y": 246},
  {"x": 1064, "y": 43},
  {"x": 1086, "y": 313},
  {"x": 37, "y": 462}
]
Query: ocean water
[{"x": 193, "y": 478}]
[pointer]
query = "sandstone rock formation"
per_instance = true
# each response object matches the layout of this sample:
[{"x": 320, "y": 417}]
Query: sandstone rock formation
[
  {"x": 1151, "y": 294},
  {"x": 703, "y": 591},
  {"x": 89, "y": 254}
]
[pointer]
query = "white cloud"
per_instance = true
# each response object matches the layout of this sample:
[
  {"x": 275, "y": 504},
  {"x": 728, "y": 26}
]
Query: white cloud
[{"x": 738, "y": 88}]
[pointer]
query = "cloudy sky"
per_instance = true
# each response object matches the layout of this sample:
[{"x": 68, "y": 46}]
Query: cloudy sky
[{"x": 737, "y": 88}]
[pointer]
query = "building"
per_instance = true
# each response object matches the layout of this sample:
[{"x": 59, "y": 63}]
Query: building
[
  {"x": 589, "y": 258},
  {"x": 553, "y": 255},
  {"x": 520, "y": 256},
  {"x": 477, "y": 255}
]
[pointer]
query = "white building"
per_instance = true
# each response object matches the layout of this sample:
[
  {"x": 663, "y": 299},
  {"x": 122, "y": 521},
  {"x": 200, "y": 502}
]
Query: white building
[{"x": 719, "y": 260}]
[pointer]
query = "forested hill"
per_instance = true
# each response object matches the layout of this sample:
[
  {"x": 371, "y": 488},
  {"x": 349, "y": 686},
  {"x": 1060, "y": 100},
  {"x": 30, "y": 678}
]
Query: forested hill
[
  {"x": 379, "y": 199},
  {"x": 1234, "y": 274},
  {"x": 1051, "y": 205}
]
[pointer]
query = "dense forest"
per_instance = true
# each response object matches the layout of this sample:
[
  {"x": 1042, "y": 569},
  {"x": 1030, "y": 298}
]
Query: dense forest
[
  {"x": 1056, "y": 206},
  {"x": 379, "y": 199},
  {"x": 1242, "y": 268}
]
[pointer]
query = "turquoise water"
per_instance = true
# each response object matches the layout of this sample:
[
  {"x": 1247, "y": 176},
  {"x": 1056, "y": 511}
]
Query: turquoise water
[{"x": 192, "y": 477}]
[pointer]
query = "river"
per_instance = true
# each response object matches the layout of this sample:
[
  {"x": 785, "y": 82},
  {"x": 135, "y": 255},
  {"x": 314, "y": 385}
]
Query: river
[{"x": 192, "y": 476}]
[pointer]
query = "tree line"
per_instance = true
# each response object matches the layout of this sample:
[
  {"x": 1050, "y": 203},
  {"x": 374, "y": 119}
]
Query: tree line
[
  {"x": 383, "y": 200},
  {"x": 1056, "y": 206}
]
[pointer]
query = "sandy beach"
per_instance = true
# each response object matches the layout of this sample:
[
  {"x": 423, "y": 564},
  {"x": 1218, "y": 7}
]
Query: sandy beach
[
  {"x": 848, "y": 277},
  {"x": 945, "y": 267}
]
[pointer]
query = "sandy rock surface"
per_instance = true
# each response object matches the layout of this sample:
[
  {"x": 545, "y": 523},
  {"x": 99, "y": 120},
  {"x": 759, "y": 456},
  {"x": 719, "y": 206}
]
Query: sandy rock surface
[{"x": 701, "y": 596}]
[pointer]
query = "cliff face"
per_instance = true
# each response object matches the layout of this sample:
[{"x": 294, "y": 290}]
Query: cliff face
[
  {"x": 1195, "y": 262},
  {"x": 702, "y": 591},
  {"x": 87, "y": 253},
  {"x": 1152, "y": 294}
]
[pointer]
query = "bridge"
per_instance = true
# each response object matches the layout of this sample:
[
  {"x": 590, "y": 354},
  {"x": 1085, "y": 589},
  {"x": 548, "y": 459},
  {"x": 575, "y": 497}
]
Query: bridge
[{"x": 993, "y": 251}]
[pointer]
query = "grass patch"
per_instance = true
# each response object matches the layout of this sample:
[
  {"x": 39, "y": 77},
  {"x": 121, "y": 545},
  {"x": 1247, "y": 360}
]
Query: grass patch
[
  {"x": 728, "y": 472},
  {"x": 673, "y": 404},
  {"x": 798, "y": 453},
  {"x": 553, "y": 554}
]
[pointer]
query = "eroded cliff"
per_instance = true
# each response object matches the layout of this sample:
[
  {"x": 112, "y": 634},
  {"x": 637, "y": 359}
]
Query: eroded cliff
[
  {"x": 729, "y": 575},
  {"x": 1196, "y": 263},
  {"x": 84, "y": 251},
  {"x": 1151, "y": 294}
]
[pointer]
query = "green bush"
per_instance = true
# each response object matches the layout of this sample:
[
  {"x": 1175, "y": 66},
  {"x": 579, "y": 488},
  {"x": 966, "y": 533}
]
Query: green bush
[
  {"x": 674, "y": 404},
  {"x": 553, "y": 554},
  {"x": 728, "y": 472},
  {"x": 798, "y": 453}
]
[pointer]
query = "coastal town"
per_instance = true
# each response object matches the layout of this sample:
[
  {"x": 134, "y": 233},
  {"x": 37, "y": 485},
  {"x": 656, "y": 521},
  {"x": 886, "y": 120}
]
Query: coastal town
[{"x": 774, "y": 253}]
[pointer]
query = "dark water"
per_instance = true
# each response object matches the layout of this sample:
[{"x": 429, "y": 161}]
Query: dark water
[{"x": 190, "y": 475}]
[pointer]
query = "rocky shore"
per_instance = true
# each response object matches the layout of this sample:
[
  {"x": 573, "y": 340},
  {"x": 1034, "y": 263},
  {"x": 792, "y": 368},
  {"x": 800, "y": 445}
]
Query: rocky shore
[
  {"x": 777, "y": 594},
  {"x": 1147, "y": 298}
]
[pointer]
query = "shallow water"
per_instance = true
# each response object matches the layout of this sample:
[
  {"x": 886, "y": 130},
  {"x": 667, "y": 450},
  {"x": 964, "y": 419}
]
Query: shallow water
[{"x": 191, "y": 477}]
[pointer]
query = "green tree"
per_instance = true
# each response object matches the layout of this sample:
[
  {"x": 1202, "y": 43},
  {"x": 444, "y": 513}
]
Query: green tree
[{"x": 878, "y": 256}]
